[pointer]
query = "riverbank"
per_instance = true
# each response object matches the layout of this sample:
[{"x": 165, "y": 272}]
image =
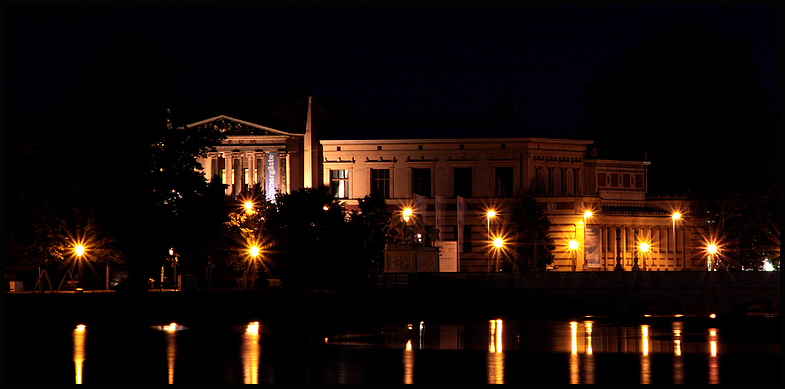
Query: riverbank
[{"x": 232, "y": 306}]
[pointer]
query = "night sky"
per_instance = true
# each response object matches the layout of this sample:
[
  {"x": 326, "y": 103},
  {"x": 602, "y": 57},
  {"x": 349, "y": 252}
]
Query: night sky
[{"x": 411, "y": 61}]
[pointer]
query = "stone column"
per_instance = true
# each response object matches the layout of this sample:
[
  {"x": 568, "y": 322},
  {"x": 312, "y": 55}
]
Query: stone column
[
  {"x": 250, "y": 156},
  {"x": 228, "y": 172},
  {"x": 208, "y": 166},
  {"x": 237, "y": 159}
]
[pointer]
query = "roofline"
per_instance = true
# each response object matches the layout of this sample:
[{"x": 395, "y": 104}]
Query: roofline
[
  {"x": 243, "y": 122},
  {"x": 458, "y": 140}
]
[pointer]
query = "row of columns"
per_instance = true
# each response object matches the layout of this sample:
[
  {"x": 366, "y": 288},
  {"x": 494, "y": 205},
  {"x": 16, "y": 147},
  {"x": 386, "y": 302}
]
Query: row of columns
[
  {"x": 620, "y": 247},
  {"x": 235, "y": 163}
]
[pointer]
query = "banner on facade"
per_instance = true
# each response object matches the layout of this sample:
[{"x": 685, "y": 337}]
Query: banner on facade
[
  {"x": 448, "y": 256},
  {"x": 271, "y": 175},
  {"x": 440, "y": 200},
  {"x": 420, "y": 204},
  {"x": 592, "y": 246}
]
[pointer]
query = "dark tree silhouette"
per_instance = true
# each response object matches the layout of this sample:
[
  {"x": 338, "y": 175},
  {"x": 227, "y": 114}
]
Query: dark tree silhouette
[
  {"x": 531, "y": 234},
  {"x": 687, "y": 100},
  {"x": 116, "y": 159}
]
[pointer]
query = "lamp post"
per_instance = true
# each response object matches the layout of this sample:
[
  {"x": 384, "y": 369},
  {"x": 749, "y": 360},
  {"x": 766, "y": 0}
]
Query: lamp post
[
  {"x": 248, "y": 205},
  {"x": 498, "y": 243},
  {"x": 173, "y": 259},
  {"x": 586, "y": 216},
  {"x": 254, "y": 252},
  {"x": 712, "y": 250},
  {"x": 675, "y": 217},
  {"x": 573, "y": 245},
  {"x": 488, "y": 217},
  {"x": 643, "y": 247},
  {"x": 79, "y": 250}
]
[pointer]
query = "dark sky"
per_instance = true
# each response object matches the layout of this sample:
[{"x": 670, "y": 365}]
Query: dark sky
[{"x": 404, "y": 60}]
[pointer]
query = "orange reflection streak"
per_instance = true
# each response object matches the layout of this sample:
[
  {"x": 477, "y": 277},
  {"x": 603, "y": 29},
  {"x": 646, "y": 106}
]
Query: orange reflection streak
[
  {"x": 588, "y": 373},
  {"x": 171, "y": 352},
  {"x": 79, "y": 335},
  {"x": 251, "y": 352},
  {"x": 495, "y": 363},
  {"x": 714, "y": 362},
  {"x": 645, "y": 360},
  {"x": 574, "y": 337},
  {"x": 678, "y": 363},
  {"x": 408, "y": 364}
]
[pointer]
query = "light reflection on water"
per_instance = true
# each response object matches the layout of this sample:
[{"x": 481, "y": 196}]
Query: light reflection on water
[
  {"x": 582, "y": 342},
  {"x": 79, "y": 335}
]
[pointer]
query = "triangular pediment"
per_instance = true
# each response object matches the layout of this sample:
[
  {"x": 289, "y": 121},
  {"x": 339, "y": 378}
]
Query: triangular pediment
[{"x": 231, "y": 126}]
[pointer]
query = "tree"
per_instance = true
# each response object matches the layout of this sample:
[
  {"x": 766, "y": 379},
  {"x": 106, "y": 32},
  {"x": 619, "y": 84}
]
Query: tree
[
  {"x": 121, "y": 159},
  {"x": 311, "y": 239},
  {"x": 686, "y": 99},
  {"x": 369, "y": 234},
  {"x": 531, "y": 233}
]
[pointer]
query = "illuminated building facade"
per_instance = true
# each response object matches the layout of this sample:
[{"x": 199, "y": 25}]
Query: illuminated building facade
[{"x": 453, "y": 182}]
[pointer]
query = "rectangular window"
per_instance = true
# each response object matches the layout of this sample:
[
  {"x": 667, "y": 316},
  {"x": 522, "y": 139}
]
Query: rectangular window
[
  {"x": 380, "y": 182},
  {"x": 339, "y": 183},
  {"x": 463, "y": 181},
  {"x": 504, "y": 181},
  {"x": 223, "y": 176},
  {"x": 421, "y": 182}
]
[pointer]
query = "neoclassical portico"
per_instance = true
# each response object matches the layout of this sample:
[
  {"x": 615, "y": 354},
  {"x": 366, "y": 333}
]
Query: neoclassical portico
[{"x": 251, "y": 154}]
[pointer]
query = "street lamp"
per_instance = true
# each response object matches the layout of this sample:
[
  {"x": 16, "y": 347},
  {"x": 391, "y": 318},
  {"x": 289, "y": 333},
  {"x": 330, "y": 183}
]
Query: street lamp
[
  {"x": 498, "y": 244},
  {"x": 644, "y": 248},
  {"x": 674, "y": 217},
  {"x": 586, "y": 216},
  {"x": 248, "y": 207},
  {"x": 488, "y": 217},
  {"x": 712, "y": 250},
  {"x": 407, "y": 213},
  {"x": 79, "y": 250},
  {"x": 173, "y": 258},
  {"x": 573, "y": 245}
]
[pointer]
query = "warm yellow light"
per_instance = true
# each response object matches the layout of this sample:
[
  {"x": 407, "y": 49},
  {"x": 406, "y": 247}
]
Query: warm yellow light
[
  {"x": 587, "y": 214},
  {"x": 573, "y": 245},
  {"x": 79, "y": 249},
  {"x": 248, "y": 206},
  {"x": 491, "y": 214},
  {"x": 172, "y": 327},
  {"x": 498, "y": 242},
  {"x": 676, "y": 216},
  {"x": 409, "y": 345},
  {"x": 407, "y": 213},
  {"x": 326, "y": 207},
  {"x": 712, "y": 248},
  {"x": 252, "y": 328},
  {"x": 644, "y": 247},
  {"x": 171, "y": 251},
  {"x": 80, "y": 328},
  {"x": 254, "y": 251}
]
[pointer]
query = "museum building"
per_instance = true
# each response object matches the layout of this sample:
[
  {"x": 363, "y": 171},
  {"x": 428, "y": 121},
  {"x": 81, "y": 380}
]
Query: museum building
[{"x": 599, "y": 205}]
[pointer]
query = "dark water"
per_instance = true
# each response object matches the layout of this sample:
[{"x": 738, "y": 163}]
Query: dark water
[{"x": 589, "y": 350}]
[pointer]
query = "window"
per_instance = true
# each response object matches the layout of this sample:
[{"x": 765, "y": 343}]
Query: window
[
  {"x": 339, "y": 183},
  {"x": 463, "y": 181},
  {"x": 504, "y": 181},
  {"x": 421, "y": 182},
  {"x": 380, "y": 182}
]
